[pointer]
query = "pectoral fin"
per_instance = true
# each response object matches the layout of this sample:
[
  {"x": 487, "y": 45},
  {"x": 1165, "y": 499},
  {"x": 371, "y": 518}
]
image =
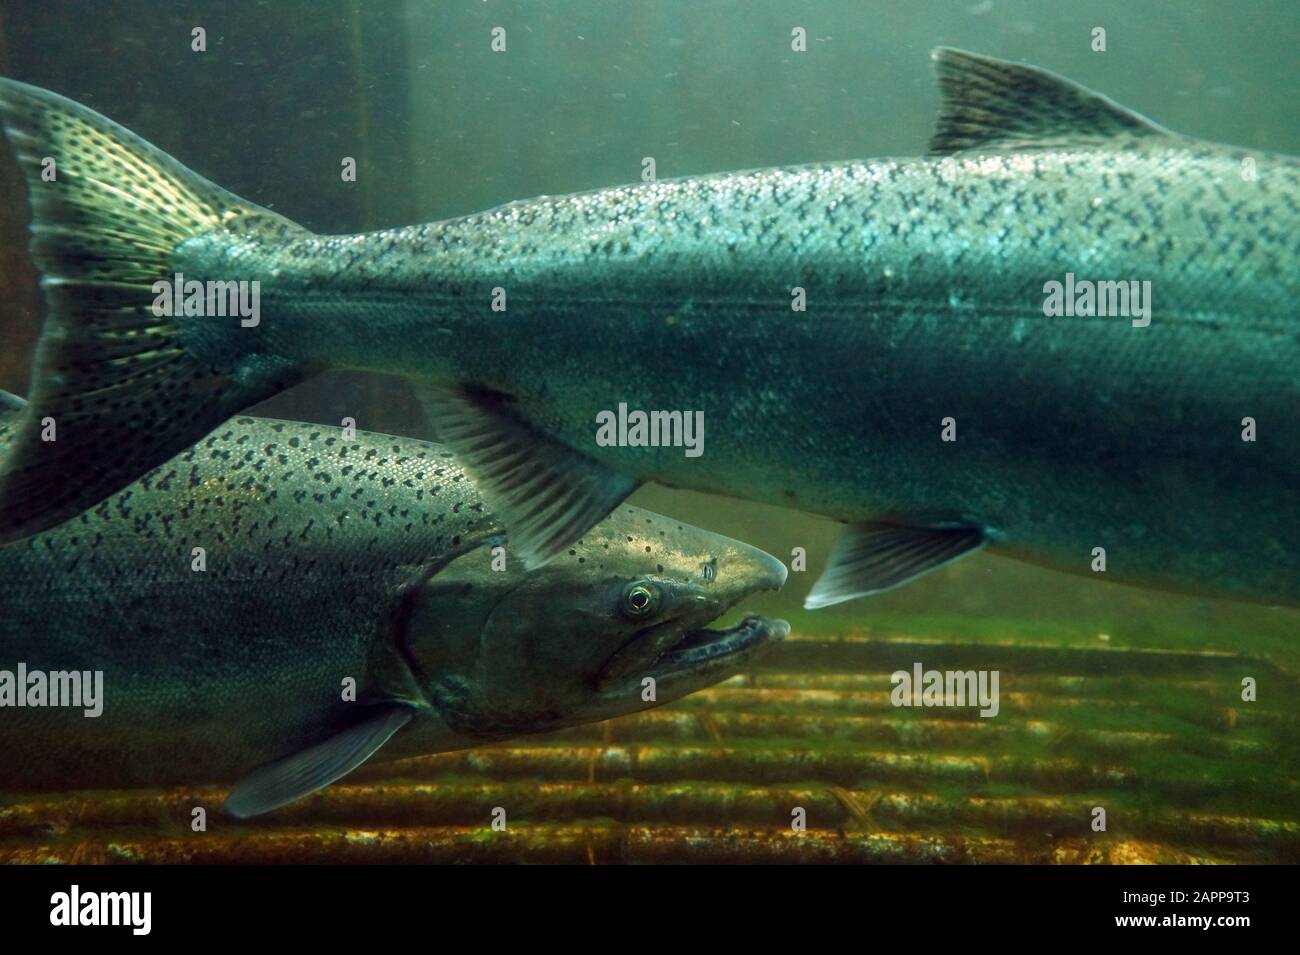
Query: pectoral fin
[
  {"x": 872, "y": 558},
  {"x": 11, "y": 404},
  {"x": 286, "y": 780},
  {"x": 545, "y": 493}
]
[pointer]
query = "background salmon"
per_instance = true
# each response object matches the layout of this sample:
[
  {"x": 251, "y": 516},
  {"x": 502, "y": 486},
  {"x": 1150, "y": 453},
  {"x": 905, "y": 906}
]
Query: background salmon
[{"x": 330, "y": 557}]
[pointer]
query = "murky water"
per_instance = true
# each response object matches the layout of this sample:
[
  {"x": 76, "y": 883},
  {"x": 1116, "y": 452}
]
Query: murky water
[{"x": 1109, "y": 696}]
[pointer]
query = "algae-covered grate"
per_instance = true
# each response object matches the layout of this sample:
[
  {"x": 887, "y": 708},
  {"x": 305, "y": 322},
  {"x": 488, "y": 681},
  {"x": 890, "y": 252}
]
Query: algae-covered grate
[{"x": 1184, "y": 770}]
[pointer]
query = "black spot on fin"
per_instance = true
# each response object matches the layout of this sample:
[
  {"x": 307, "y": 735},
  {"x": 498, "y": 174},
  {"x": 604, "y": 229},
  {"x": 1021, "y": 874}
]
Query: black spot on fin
[
  {"x": 286, "y": 780},
  {"x": 872, "y": 558},
  {"x": 545, "y": 493},
  {"x": 115, "y": 381},
  {"x": 992, "y": 105}
]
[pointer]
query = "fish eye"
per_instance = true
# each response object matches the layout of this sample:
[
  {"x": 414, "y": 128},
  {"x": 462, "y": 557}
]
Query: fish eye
[{"x": 640, "y": 599}]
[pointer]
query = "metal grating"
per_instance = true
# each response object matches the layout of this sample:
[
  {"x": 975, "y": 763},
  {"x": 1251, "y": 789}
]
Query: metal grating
[{"x": 1186, "y": 773}]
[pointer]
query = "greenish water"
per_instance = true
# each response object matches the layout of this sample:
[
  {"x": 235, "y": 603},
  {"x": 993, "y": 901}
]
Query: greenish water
[{"x": 441, "y": 125}]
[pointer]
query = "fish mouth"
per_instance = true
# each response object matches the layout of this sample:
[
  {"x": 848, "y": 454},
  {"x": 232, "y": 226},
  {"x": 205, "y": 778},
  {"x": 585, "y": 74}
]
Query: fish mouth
[
  {"x": 717, "y": 647},
  {"x": 666, "y": 651}
]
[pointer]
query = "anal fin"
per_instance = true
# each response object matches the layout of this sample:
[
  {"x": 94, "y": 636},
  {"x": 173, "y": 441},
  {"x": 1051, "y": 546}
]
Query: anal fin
[
  {"x": 872, "y": 558},
  {"x": 545, "y": 493},
  {"x": 286, "y": 780}
]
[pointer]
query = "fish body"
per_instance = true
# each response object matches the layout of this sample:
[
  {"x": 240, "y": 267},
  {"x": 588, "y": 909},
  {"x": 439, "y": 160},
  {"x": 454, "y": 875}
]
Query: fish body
[
  {"x": 924, "y": 395},
  {"x": 924, "y": 281},
  {"x": 341, "y": 578}
]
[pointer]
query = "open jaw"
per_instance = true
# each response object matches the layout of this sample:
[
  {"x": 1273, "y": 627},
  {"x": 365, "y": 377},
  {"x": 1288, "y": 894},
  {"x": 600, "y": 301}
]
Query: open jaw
[{"x": 715, "y": 647}]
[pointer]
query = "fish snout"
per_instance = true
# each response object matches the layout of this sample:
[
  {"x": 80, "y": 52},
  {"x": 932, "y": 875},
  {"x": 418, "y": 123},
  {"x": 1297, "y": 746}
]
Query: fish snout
[{"x": 754, "y": 570}]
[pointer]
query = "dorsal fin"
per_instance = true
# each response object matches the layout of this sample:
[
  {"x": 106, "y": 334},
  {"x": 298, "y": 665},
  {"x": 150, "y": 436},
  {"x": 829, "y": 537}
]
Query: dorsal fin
[{"x": 994, "y": 105}]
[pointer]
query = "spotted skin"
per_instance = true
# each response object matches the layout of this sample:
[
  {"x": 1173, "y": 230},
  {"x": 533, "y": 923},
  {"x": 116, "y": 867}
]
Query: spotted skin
[
  {"x": 924, "y": 281},
  {"x": 328, "y": 558},
  {"x": 310, "y": 538},
  {"x": 925, "y": 289}
]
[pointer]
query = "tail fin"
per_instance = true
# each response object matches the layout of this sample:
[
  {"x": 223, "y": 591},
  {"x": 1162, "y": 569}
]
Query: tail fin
[{"x": 114, "y": 392}]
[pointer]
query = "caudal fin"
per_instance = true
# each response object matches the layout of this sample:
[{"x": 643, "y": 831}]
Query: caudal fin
[{"x": 114, "y": 392}]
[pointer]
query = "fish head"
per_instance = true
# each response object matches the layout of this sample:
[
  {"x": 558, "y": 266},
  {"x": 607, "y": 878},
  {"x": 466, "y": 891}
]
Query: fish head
[{"x": 618, "y": 623}]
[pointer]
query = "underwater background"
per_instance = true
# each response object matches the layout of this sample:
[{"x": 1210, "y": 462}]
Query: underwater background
[{"x": 1111, "y": 695}]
